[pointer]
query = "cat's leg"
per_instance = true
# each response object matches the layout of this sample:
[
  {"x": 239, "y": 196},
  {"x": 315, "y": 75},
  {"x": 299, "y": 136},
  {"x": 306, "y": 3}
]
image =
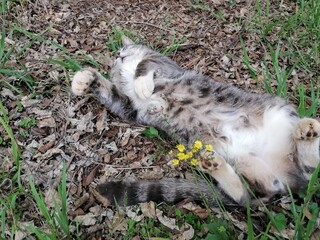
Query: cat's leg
[
  {"x": 107, "y": 93},
  {"x": 306, "y": 135},
  {"x": 226, "y": 177},
  {"x": 260, "y": 175}
]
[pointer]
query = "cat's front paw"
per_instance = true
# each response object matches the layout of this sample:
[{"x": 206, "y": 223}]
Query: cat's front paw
[
  {"x": 144, "y": 85},
  {"x": 307, "y": 129},
  {"x": 81, "y": 81}
]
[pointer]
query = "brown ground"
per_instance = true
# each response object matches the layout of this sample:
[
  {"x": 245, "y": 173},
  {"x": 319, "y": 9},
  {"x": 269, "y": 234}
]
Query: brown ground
[{"x": 96, "y": 145}]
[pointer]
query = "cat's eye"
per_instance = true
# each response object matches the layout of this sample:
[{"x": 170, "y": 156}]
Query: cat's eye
[{"x": 120, "y": 56}]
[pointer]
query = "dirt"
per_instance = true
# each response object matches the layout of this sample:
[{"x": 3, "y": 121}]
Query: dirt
[{"x": 96, "y": 145}]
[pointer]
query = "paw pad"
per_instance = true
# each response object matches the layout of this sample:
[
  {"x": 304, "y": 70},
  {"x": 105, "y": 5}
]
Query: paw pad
[
  {"x": 307, "y": 129},
  {"x": 210, "y": 164}
]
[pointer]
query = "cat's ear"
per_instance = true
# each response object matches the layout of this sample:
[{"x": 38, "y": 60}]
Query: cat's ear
[{"x": 126, "y": 41}]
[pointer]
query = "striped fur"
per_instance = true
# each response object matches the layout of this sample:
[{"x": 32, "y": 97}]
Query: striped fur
[{"x": 256, "y": 136}]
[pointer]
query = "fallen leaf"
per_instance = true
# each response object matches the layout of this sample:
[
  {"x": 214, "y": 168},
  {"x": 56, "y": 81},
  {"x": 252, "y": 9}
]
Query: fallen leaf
[
  {"x": 86, "y": 220},
  {"x": 125, "y": 137},
  {"x": 46, "y": 122},
  {"x": 51, "y": 197},
  {"x": 100, "y": 124},
  {"x": 148, "y": 209},
  {"x": 46, "y": 147},
  {"x": 89, "y": 179},
  {"x": 168, "y": 222},
  {"x": 105, "y": 202},
  {"x": 75, "y": 213},
  {"x": 80, "y": 201},
  {"x": 132, "y": 214},
  {"x": 186, "y": 233},
  {"x": 8, "y": 93},
  {"x": 51, "y": 152}
]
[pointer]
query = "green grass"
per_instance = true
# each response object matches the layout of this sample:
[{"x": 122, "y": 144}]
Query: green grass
[
  {"x": 199, "y": 5},
  {"x": 299, "y": 46},
  {"x": 56, "y": 219}
]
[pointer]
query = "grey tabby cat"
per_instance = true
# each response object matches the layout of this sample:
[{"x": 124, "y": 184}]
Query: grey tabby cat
[{"x": 255, "y": 136}]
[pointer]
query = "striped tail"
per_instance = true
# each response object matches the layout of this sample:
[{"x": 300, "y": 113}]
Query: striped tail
[{"x": 165, "y": 190}]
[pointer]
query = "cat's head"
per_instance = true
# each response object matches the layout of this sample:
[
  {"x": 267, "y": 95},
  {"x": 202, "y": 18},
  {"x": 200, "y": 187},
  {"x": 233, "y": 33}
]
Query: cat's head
[{"x": 127, "y": 59}]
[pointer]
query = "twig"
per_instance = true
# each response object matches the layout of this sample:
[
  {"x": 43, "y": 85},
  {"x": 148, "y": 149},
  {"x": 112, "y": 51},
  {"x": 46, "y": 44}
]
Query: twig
[
  {"x": 127, "y": 168},
  {"x": 146, "y": 23}
]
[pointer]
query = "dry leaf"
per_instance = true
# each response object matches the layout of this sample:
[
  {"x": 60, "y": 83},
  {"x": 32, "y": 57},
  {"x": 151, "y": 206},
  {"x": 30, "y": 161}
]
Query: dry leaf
[
  {"x": 186, "y": 233},
  {"x": 75, "y": 213},
  {"x": 48, "y": 154},
  {"x": 87, "y": 220},
  {"x": 46, "y": 147},
  {"x": 125, "y": 137},
  {"x": 46, "y": 122},
  {"x": 51, "y": 197},
  {"x": 148, "y": 209},
  {"x": 89, "y": 179},
  {"x": 168, "y": 222},
  {"x": 132, "y": 214},
  {"x": 100, "y": 125},
  {"x": 118, "y": 222},
  {"x": 105, "y": 202},
  {"x": 8, "y": 93},
  {"x": 80, "y": 201}
]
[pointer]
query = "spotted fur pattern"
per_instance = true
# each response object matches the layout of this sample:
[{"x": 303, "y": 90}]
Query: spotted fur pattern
[{"x": 258, "y": 137}]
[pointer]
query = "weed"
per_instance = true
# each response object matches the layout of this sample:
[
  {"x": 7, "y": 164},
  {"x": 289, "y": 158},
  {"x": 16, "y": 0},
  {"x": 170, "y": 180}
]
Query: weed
[
  {"x": 309, "y": 104},
  {"x": 2, "y": 141},
  {"x": 151, "y": 132},
  {"x": 57, "y": 222},
  {"x": 4, "y": 121},
  {"x": 246, "y": 60},
  {"x": 115, "y": 40},
  {"x": 27, "y": 123},
  {"x": 305, "y": 216},
  {"x": 199, "y": 5},
  {"x": 146, "y": 228},
  {"x": 218, "y": 230},
  {"x": 175, "y": 44}
]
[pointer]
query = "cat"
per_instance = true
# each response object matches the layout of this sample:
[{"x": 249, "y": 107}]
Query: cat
[{"x": 256, "y": 137}]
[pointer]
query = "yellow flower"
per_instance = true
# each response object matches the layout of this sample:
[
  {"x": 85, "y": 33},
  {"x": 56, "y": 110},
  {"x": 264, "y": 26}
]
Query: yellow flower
[
  {"x": 197, "y": 144},
  {"x": 209, "y": 148},
  {"x": 175, "y": 162},
  {"x": 181, "y": 148},
  {"x": 182, "y": 156},
  {"x": 170, "y": 152},
  {"x": 195, "y": 150},
  {"x": 189, "y": 155},
  {"x": 194, "y": 162}
]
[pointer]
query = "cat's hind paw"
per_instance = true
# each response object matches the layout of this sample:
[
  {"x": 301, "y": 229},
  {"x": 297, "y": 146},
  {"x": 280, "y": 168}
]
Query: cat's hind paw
[
  {"x": 307, "y": 129},
  {"x": 81, "y": 81},
  {"x": 226, "y": 177}
]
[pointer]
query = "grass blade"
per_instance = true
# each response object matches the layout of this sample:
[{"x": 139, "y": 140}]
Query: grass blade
[{"x": 40, "y": 202}]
